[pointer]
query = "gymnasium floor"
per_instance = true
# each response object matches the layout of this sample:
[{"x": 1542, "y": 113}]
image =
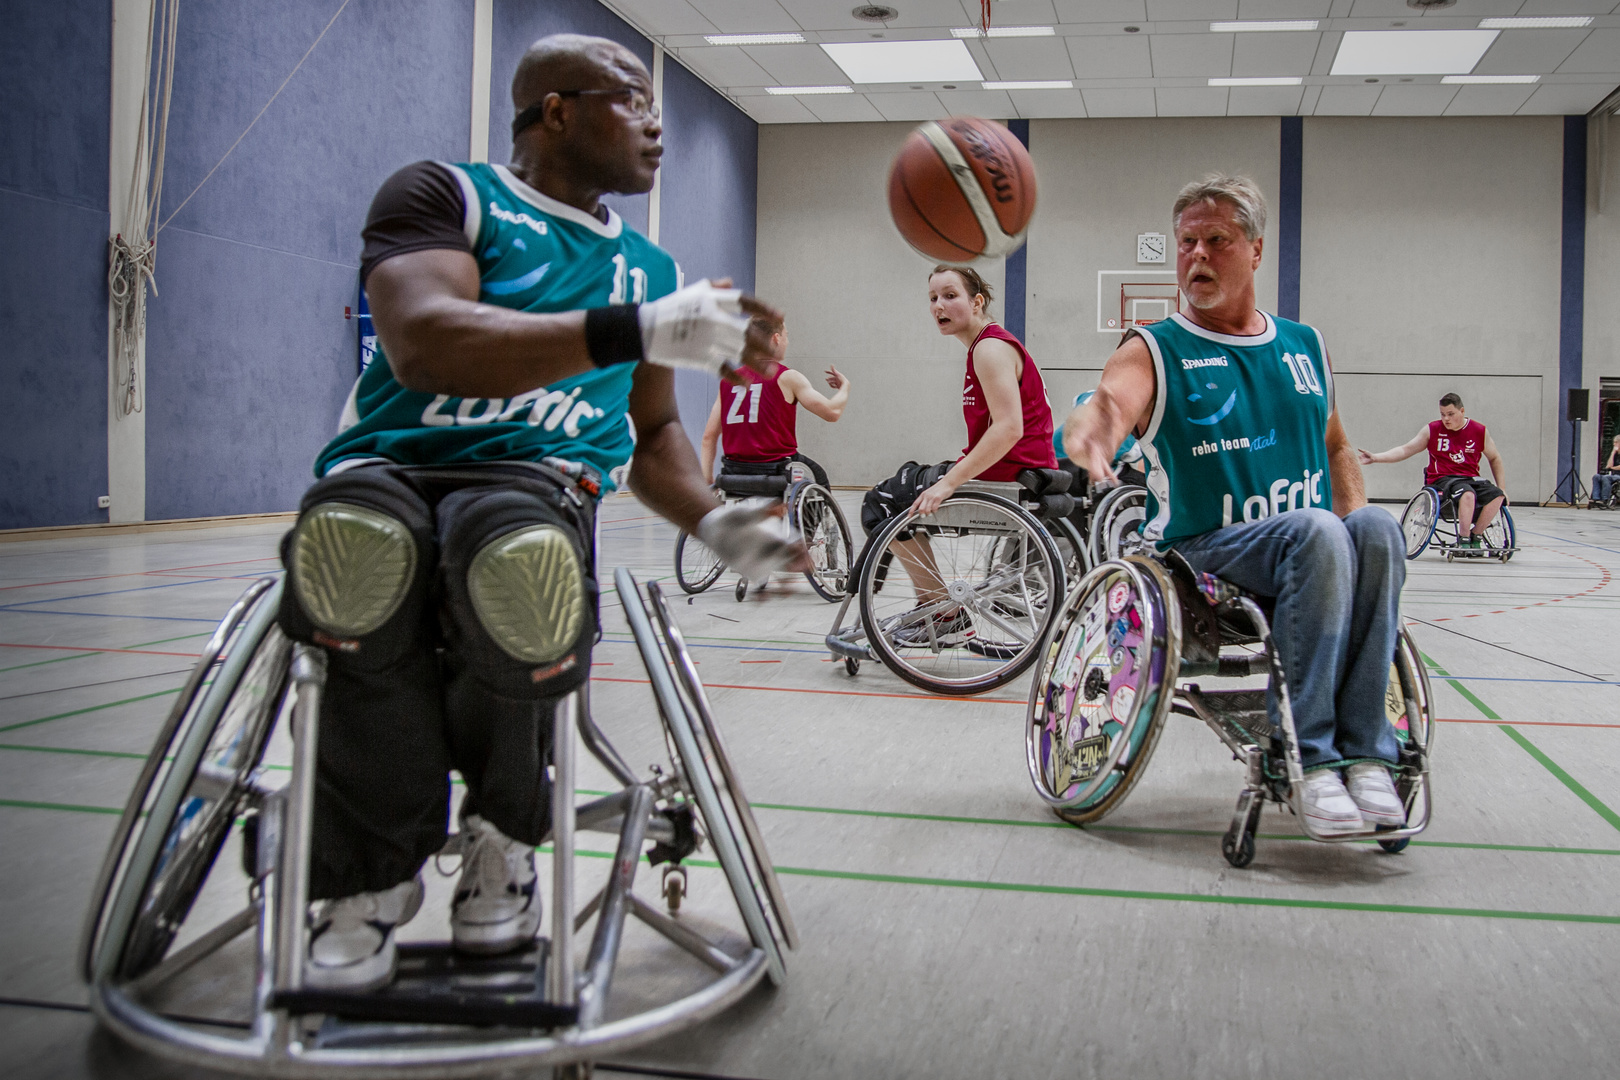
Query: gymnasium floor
[{"x": 951, "y": 926}]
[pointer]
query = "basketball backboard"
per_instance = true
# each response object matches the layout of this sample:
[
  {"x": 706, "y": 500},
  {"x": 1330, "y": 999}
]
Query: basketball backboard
[{"x": 1127, "y": 298}]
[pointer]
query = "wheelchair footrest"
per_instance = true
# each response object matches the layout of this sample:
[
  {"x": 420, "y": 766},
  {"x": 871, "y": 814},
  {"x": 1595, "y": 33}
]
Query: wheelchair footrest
[
  {"x": 437, "y": 985},
  {"x": 839, "y": 645},
  {"x": 1244, "y": 708}
]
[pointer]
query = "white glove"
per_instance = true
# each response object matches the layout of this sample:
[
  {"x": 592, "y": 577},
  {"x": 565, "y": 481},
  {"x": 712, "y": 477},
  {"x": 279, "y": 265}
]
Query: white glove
[
  {"x": 749, "y": 538},
  {"x": 699, "y": 327}
]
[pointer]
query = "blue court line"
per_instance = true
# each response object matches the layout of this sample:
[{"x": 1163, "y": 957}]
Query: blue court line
[
  {"x": 107, "y": 615},
  {"x": 111, "y": 592},
  {"x": 1576, "y": 682},
  {"x": 1577, "y": 543}
]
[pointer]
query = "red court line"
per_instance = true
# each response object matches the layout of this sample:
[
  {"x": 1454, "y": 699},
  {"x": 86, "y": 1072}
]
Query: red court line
[
  {"x": 91, "y": 648},
  {"x": 1521, "y": 723},
  {"x": 137, "y": 573},
  {"x": 845, "y": 693},
  {"x": 1604, "y": 570},
  {"x": 759, "y": 661},
  {"x": 644, "y": 517}
]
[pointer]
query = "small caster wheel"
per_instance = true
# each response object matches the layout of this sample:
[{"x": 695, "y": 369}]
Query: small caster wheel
[
  {"x": 742, "y": 589},
  {"x": 1395, "y": 846},
  {"x": 852, "y": 666},
  {"x": 674, "y": 887},
  {"x": 1238, "y": 852}
]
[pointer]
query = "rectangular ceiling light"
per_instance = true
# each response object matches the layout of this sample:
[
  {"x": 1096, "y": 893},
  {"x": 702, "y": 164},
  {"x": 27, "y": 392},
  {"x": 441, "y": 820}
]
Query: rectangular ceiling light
[
  {"x": 1486, "y": 80},
  {"x": 1269, "y": 80},
  {"x": 1548, "y": 22},
  {"x": 1036, "y": 84},
  {"x": 779, "y": 90},
  {"x": 1258, "y": 25},
  {"x": 753, "y": 39},
  {"x": 1411, "y": 52},
  {"x": 905, "y": 61},
  {"x": 1003, "y": 31}
]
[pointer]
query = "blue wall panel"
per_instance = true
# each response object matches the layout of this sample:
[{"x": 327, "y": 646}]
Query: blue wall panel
[
  {"x": 517, "y": 24},
  {"x": 249, "y": 356},
  {"x": 55, "y": 80}
]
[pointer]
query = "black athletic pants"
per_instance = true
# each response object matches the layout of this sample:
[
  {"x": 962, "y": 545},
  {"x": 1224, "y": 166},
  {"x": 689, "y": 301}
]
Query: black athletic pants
[{"x": 430, "y": 691}]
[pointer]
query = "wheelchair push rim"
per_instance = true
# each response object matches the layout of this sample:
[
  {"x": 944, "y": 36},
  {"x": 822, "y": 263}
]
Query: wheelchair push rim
[
  {"x": 1116, "y": 524},
  {"x": 696, "y": 565},
  {"x": 996, "y": 565},
  {"x": 1418, "y": 521},
  {"x": 1103, "y": 688},
  {"x": 826, "y": 537}
]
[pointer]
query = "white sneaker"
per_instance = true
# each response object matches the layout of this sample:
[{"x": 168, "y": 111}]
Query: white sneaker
[
  {"x": 1373, "y": 790},
  {"x": 1328, "y": 806},
  {"x": 497, "y": 905},
  {"x": 351, "y": 941}
]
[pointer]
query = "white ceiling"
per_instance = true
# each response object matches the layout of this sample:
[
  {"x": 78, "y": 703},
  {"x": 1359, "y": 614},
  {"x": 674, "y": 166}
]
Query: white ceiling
[{"x": 1162, "y": 69}]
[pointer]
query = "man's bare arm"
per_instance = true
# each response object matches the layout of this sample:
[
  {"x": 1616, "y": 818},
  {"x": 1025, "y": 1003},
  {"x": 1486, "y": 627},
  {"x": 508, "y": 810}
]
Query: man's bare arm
[
  {"x": 1398, "y": 453},
  {"x": 1349, "y": 488},
  {"x": 1123, "y": 402},
  {"x": 664, "y": 471},
  {"x": 1498, "y": 470}
]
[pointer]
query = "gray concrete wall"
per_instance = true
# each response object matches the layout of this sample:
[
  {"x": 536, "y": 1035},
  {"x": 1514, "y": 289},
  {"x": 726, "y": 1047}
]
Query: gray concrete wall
[{"x": 1601, "y": 359}]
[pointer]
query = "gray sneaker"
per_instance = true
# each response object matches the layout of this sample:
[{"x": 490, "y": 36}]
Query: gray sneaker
[
  {"x": 351, "y": 940},
  {"x": 1373, "y": 792},
  {"x": 497, "y": 906},
  {"x": 949, "y": 630}
]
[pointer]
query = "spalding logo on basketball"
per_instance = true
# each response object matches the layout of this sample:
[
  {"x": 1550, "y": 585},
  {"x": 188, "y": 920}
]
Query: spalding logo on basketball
[{"x": 962, "y": 188}]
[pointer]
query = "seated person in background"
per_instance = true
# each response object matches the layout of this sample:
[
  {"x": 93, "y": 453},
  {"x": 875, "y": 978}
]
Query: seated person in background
[
  {"x": 1127, "y": 461},
  {"x": 754, "y": 422},
  {"x": 1603, "y": 482},
  {"x": 1248, "y": 465},
  {"x": 1009, "y": 426},
  {"x": 456, "y": 608},
  {"x": 1455, "y": 444}
]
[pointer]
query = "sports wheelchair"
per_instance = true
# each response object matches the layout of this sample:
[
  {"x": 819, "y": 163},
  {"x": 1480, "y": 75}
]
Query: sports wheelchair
[
  {"x": 1113, "y": 668},
  {"x": 1430, "y": 519},
  {"x": 1001, "y": 553},
  {"x": 165, "y": 903},
  {"x": 811, "y": 510}
]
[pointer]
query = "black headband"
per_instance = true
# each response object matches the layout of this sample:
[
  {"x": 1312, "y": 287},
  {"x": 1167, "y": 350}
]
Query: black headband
[{"x": 527, "y": 118}]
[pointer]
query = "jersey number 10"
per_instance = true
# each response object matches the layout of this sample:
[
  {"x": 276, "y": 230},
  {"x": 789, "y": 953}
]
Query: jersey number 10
[
  {"x": 751, "y": 392},
  {"x": 1304, "y": 373}
]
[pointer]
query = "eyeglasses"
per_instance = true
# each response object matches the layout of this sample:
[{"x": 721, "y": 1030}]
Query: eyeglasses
[{"x": 639, "y": 102}]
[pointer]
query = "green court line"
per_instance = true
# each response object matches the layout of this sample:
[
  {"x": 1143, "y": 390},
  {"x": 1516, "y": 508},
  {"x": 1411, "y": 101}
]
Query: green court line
[
  {"x": 1597, "y": 805},
  {"x": 71, "y": 750},
  {"x": 90, "y": 709},
  {"x": 22, "y": 804},
  {"x": 101, "y": 652}
]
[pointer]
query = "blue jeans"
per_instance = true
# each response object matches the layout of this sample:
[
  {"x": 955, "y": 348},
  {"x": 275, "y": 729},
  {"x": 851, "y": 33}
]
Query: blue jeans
[
  {"x": 1603, "y": 486},
  {"x": 1338, "y": 589}
]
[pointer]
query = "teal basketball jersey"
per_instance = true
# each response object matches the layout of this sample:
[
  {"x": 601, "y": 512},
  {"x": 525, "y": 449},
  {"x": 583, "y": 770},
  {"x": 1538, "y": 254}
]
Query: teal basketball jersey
[
  {"x": 1239, "y": 426},
  {"x": 534, "y": 254}
]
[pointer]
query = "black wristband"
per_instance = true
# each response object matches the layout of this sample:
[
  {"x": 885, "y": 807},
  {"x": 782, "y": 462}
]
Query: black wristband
[{"x": 613, "y": 335}]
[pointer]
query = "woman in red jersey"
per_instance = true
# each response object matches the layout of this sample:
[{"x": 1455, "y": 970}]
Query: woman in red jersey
[{"x": 1009, "y": 426}]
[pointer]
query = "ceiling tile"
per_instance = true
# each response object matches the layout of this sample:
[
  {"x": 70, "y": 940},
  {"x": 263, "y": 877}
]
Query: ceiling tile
[
  {"x": 990, "y": 104},
  {"x": 1119, "y": 102},
  {"x": 777, "y": 110},
  {"x": 1283, "y": 9},
  {"x": 1326, "y": 50},
  {"x": 796, "y": 65},
  {"x": 725, "y": 65},
  {"x": 1414, "y": 100},
  {"x": 1529, "y": 52},
  {"x": 1465, "y": 13},
  {"x": 1599, "y": 53},
  {"x": 1307, "y": 103},
  {"x": 745, "y": 16},
  {"x": 1048, "y": 104},
  {"x": 841, "y": 108},
  {"x": 1179, "y": 56},
  {"x": 1566, "y": 99},
  {"x": 1030, "y": 58},
  {"x": 1012, "y": 13},
  {"x": 1274, "y": 54},
  {"x": 1567, "y": 7},
  {"x": 1489, "y": 100},
  {"x": 1101, "y": 11},
  {"x": 1264, "y": 101},
  {"x": 835, "y": 14},
  {"x": 1347, "y": 100},
  {"x": 1191, "y": 101},
  {"x": 1110, "y": 57},
  {"x": 1190, "y": 10},
  {"x": 665, "y": 16},
  {"x": 908, "y": 105}
]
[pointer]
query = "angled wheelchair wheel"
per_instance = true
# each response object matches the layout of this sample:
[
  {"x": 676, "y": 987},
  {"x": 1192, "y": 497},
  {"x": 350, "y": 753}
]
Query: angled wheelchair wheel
[
  {"x": 1500, "y": 534},
  {"x": 1102, "y": 689},
  {"x": 197, "y": 780},
  {"x": 991, "y": 582},
  {"x": 1409, "y": 707},
  {"x": 696, "y": 565},
  {"x": 1116, "y": 524},
  {"x": 1418, "y": 521},
  {"x": 826, "y": 536}
]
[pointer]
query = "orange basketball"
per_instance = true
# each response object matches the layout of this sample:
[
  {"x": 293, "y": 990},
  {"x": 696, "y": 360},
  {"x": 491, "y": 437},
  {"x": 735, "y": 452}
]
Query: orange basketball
[{"x": 962, "y": 188}]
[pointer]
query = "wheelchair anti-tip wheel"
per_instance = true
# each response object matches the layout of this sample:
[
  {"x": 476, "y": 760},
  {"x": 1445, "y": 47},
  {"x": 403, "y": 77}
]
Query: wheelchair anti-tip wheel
[
  {"x": 696, "y": 565},
  {"x": 1116, "y": 524},
  {"x": 992, "y": 584},
  {"x": 826, "y": 536},
  {"x": 1103, "y": 688}
]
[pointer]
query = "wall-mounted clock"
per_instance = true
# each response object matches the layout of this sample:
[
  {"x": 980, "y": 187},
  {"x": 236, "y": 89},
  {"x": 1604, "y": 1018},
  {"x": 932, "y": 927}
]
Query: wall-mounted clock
[{"x": 1150, "y": 247}]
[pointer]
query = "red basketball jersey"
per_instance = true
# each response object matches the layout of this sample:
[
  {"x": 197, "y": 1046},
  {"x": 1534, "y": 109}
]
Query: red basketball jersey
[
  {"x": 1454, "y": 453},
  {"x": 1034, "y": 450},
  {"x": 756, "y": 422}
]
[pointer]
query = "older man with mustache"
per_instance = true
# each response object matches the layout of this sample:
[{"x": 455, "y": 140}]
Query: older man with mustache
[{"x": 1252, "y": 478}]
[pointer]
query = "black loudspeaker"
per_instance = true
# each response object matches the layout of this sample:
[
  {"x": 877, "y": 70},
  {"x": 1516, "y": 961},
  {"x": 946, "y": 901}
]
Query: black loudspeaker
[{"x": 1579, "y": 406}]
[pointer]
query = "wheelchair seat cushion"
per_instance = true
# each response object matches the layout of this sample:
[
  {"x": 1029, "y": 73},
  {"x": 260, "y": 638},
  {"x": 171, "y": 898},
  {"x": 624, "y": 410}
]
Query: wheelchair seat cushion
[
  {"x": 1045, "y": 481},
  {"x": 736, "y": 484}
]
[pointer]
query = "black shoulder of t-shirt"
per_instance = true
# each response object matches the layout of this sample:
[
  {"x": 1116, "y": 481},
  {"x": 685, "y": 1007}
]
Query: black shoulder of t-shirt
[{"x": 421, "y": 206}]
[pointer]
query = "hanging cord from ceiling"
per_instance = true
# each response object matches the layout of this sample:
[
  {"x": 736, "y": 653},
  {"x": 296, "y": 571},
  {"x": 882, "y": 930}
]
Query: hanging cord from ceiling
[
  {"x": 984, "y": 17},
  {"x": 133, "y": 255}
]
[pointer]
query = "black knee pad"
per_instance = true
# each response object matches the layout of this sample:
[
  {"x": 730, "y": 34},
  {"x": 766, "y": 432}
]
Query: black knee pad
[
  {"x": 519, "y": 587},
  {"x": 360, "y": 566}
]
